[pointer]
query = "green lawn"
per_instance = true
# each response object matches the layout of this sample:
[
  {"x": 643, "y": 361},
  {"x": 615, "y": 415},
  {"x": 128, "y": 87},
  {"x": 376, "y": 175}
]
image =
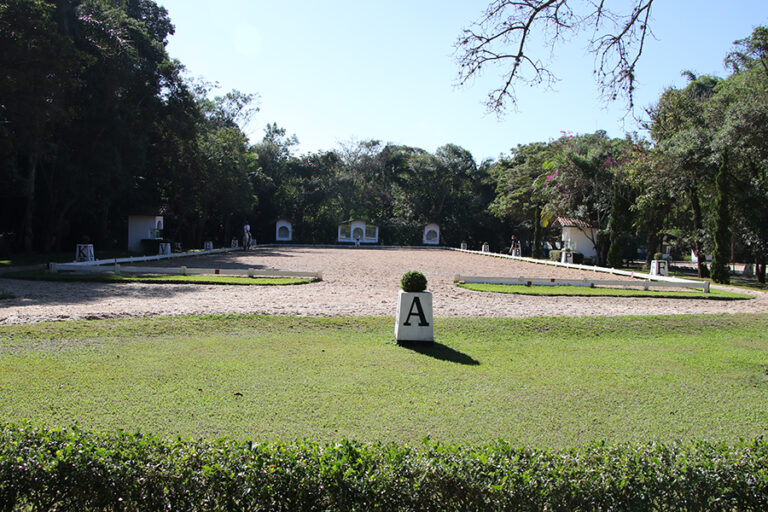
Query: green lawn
[
  {"x": 42, "y": 275},
  {"x": 549, "y": 382},
  {"x": 583, "y": 291}
]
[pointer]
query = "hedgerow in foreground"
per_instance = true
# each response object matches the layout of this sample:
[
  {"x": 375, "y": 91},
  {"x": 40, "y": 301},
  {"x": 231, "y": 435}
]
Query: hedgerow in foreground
[{"x": 71, "y": 469}]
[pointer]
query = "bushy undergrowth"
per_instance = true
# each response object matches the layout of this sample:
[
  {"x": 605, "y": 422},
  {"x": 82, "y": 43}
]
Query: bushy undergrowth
[{"x": 70, "y": 469}]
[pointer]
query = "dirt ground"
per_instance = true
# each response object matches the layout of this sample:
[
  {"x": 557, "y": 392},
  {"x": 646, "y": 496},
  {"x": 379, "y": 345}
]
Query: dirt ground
[{"x": 356, "y": 282}]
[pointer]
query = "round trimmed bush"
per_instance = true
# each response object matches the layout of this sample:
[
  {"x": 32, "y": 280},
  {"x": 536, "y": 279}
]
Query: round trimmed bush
[{"x": 413, "y": 281}]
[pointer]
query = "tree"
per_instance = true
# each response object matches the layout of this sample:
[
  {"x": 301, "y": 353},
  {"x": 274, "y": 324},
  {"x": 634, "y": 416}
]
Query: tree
[
  {"x": 519, "y": 199},
  {"x": 653, "y": 202},
  {"x": 686, "y": 166},
  {"x": 40, "y": 67},
  {"x": 83, "y": 86},
  {"x": 586, "y": 175},
  {"x": 739, "y": 111},
  {"x": 720, "y": 271},
  {"x": 502, "y": 36}
]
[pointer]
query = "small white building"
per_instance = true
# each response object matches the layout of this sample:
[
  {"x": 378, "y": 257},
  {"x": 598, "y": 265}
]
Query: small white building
[
  {"x": 577, "y": 236},
  {"x": 283, "y": 230},
  {"x": 141, "y": 227},
  {"x": 695, "y": 259},
  {"x": 431, "y": 234},
  {"x": 356, "y": 230}
]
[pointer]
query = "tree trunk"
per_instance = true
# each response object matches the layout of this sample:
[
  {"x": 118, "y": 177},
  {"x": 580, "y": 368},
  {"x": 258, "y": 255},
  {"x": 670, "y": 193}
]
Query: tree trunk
[
  {"x": 536, "y": 250},
  {"x": 720, "y": 273},
  {"x": 651, "y": 244},
  {"x": 29, "y": 211},
  {"x": 697, "y": 226}
]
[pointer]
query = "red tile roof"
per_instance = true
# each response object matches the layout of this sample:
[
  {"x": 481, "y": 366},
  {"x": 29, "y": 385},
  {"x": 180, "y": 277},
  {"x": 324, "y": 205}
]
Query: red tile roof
[{"x": 570, "y": 222}]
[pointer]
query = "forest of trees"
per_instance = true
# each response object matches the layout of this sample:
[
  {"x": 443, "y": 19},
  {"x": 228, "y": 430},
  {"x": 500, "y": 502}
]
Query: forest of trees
[{"x": 98, "y": 123}]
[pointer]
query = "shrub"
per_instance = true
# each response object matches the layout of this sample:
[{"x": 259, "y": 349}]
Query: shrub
[
  {"x": 658, "y": 256},
  {"x": 413, "y": 281},
  {"x": 71, "y": 469},
  {"x": 578, "y": 258}
]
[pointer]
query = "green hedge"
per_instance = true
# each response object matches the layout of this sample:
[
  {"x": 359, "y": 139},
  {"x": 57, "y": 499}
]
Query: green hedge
[{"x": 70, "y": 469}]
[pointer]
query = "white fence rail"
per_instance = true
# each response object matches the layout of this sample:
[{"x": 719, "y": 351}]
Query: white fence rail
[
  {"x": 593, "y": 268},
  {"x": 590, "y": 283},
  {"x": 139, "y": 259},
  {"x": 183, "y": 271}
]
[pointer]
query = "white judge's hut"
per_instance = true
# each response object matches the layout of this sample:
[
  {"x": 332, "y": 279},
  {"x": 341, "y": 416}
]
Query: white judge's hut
[
  {"x": 142, "y": 227},
  {"x": 431, "y": 235},
  {"x": 577, "y": 236},
  {"x": 358, "y": 231},
  {"x": 283, "y": 230}
]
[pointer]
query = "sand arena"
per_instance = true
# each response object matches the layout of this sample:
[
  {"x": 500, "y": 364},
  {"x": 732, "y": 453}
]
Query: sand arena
[{"x": 356, "y": 282}]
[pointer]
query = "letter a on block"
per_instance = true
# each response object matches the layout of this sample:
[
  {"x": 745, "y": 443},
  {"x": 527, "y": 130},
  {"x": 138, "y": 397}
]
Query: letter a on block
[{"x": 419, "y": 312}]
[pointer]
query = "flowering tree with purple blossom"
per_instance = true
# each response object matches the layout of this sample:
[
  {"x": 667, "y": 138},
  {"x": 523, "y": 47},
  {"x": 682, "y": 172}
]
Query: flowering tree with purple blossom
[{"x": 586, "y": 177}]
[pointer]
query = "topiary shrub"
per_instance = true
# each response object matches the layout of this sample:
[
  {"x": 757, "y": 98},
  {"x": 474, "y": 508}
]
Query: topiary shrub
[
  {"x": 413, "y": 281},
  {"x": 657, "y": 256},
  {"x": 554, "y": 254},
  {"x": 578, "y": 258}
]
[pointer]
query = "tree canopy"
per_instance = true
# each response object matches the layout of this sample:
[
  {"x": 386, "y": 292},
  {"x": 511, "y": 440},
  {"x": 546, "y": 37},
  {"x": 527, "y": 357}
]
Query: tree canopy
[{"x": 97, "y": 122}]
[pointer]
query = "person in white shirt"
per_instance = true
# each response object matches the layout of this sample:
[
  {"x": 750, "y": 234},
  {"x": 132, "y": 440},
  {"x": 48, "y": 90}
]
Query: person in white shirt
[{"x": 246, "y": 236}]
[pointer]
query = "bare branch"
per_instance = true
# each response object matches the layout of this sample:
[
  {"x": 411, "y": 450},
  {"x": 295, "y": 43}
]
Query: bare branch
[
  {"x": 617, "y": 54},
  {"x": 617, "y": 41}
]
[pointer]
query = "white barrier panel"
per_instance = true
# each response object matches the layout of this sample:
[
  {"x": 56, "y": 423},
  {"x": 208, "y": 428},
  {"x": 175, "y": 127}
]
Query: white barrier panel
[
  {"x": 594, "y": 268},
  {"x": 590, "y": 283},
  {"x": 185, "y": 271}
]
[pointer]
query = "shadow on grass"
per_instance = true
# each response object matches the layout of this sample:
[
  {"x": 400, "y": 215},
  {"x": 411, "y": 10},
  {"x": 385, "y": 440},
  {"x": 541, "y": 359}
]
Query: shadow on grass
[{"x": 439, "y": 351}]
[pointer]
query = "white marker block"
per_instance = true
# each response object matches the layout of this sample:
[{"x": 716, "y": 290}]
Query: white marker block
[
  {"x": 84, "y": 252},
  {"x": 414, "y": 321}
]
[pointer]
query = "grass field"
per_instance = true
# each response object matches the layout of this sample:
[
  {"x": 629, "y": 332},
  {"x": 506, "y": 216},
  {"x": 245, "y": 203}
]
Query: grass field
[
  {"x": 554, "y": 382},
  {"x": 583, "y": 291},
  {"x": 42, "y": 275}
]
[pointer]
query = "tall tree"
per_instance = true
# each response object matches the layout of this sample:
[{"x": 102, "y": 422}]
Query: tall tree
[
  {"x": 586, "y": 174},
  {"x": 683, "y": 136},
  {"x": 40, "y": 66},
  {"x": 720, "y": 271},
  {"x": 519, "y": 198},
  {"x": 739, "y": 112}
]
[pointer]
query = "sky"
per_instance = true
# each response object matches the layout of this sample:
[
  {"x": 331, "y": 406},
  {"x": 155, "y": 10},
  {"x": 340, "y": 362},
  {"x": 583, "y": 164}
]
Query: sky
[{"x": 342, "y": 71}]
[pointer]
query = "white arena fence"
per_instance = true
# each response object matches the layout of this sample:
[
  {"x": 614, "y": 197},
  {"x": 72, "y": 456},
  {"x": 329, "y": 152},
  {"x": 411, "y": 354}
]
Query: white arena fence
[
  {"x": 656, "y": 281},
  {"x": 138, "y": 259},
  {"x": 118, "y": 269},
  {"x": 589, "y": 283}
]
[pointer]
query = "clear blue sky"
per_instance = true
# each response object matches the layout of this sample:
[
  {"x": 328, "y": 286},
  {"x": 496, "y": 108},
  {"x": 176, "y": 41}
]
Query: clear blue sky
[{"x": 331, "y": 72}]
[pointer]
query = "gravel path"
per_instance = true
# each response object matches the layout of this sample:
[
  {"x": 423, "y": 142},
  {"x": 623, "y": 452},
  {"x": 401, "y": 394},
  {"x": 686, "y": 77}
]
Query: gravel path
[{"x": 356, "y": 282}]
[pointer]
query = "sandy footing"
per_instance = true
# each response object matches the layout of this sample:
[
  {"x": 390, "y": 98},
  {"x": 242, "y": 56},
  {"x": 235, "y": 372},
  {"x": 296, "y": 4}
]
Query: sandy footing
[{"x": 356, "y": 282}]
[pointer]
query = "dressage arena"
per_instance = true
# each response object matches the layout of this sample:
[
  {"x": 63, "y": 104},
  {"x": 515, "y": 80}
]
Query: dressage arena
[{"x": 356, "y": 282}]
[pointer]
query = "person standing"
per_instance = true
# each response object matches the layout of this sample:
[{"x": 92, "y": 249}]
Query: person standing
[{"x": 246, "y": 236}]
